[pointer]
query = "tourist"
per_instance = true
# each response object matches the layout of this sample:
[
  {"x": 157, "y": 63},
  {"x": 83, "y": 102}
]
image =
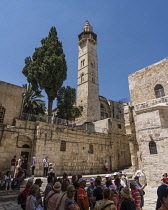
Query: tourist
[
  {"x": 70, "y": 203},
  {"x": 106, "y": 166},
  {"x": 24, "y": 165},
  {"x": 52, "y": 197},
  {"x": 49, "y": 187},
  {"x": 65, "y": 177},
  {"x": 160, "y": 191},
  {"x": 124, "y": 179},
  {"x": 13, "y": 164},
  {"x": 25, "y": 192},
  {"x": 105, "y": 203},
  {"x": 19, "y": 163},
  {"x": 119, "y": 187},
  {"x": 108, "y": 180},
  {"x": 32, "y": 203},
  {"x": 102, "y": 185},
  {"x": 114, "y": 196},
  {"x": 141, "y": 190},
  {"x": 97, "y": 192},
  {"x": 8, "y": 181},
  {"x": 51, "y": 168},
  {"x": 127, "y": 201},
  {"x": 2, "y": 180},
  {"x": 135, "y": 194},
  {"x": 33, "y": 166},
  {"x": 75, "y": 184},
  {"x": 45, "y": 166},
  {"x": 54, "y": 176},
  {"x": 19, "y": 177},
  {"x": 82, "y": 198},
  {"x": 164, "y": 199},
  {"x": 38, "y": 182},
  {"x": 90, "y": 192}
]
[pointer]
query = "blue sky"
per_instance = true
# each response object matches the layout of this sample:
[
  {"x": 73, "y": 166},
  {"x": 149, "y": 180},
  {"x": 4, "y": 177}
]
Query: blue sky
[{"x": 131, "y": 35}]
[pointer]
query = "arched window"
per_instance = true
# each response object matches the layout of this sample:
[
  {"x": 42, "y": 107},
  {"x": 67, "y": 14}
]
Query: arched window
[
  {"x": 90, "y": 149},
  {"x": 152, "y": 147},
  {"x": 2, "y": 113},
  {"x": 82, "y": 77},
  {"x": 63, "y": 146},
  {"x": 159, "y": 91},
  {"x": 25, "y": 146}
]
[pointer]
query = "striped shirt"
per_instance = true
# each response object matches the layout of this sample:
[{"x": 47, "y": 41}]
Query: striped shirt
[{"x": 137, "y": 198}]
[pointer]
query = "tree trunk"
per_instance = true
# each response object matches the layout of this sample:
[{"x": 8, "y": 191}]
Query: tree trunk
[{"x": 49, "y": 110}]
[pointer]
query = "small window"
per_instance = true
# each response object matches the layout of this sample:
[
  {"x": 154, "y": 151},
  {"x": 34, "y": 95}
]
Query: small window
[
  {"x": 63, "y": 146},
  {"x": 2, "y": 113},
  {"x": 90, "y": 149},
  {"x": 82, "y": 77},
  {"x": 159, "y": 91},
  {"x": 152, "y": 147},
  {"x": 101, "y": 106},
  {"x": 119, "y": 126}
]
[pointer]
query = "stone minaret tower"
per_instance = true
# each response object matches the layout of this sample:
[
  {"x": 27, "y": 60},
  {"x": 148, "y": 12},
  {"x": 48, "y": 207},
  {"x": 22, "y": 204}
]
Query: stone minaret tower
[{"x": 88, "y": 86}]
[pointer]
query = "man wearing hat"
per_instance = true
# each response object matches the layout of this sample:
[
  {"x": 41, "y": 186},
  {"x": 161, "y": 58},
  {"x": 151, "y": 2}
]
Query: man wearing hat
[
  {"x": 52, "y": 197},
  {"x": 82, "y": 198}
]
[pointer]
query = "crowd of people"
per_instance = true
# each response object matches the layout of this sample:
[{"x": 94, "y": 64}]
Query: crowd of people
[{"x": 116, "y": 192}]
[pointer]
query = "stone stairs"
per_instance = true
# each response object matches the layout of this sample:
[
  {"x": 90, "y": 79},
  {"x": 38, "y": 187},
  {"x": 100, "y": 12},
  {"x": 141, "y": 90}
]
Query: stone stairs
[{"x": 8, "y": 195}]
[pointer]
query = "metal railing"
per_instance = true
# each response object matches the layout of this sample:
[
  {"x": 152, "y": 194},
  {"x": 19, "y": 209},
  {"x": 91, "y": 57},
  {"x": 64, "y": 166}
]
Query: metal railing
[{"x": 58, "y": 121}]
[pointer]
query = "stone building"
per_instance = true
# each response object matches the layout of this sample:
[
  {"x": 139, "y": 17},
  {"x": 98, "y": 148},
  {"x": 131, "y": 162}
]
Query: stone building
[
  {"x": 74, "y": 149},
  {"x": 147, "y": 120}
]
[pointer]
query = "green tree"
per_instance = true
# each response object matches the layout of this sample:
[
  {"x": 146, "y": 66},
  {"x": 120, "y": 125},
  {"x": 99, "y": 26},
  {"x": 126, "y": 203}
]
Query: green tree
[
  {"x": 47, "y": 68},
  {"x": 65, "y": 104},
  {"x": 32, "y": 104}
]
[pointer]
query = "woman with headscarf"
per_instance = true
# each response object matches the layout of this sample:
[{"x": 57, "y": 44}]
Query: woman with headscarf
[{"x": 33, "y": 166}]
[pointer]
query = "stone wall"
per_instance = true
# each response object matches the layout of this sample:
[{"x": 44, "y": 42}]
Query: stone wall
[
  {"x": 85, "y": 151},
  {"x": 11, "y": 97},
  {"x": 149, "y": 120},
  {"x": 142, "y": 82}
]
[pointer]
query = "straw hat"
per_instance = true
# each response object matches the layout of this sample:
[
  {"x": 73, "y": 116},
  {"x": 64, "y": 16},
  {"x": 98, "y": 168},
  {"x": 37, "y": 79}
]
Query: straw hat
[
  {"x": 125, "y": 192},
  {"x": 57, "y": 186}
]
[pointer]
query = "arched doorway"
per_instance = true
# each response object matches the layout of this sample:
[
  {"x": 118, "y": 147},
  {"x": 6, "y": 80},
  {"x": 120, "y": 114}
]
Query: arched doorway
[{"x": 108, "y": 159}]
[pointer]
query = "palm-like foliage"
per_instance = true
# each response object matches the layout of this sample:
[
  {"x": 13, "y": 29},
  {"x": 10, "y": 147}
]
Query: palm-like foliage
[{"x": 31, "y": 102}]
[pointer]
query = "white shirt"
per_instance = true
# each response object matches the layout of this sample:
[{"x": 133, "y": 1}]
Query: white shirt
[{"x": 45, "y": 163}]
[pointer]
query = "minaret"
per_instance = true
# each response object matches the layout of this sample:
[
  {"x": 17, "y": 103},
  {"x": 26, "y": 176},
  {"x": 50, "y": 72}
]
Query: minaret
[{"x": 88, "y": 86}]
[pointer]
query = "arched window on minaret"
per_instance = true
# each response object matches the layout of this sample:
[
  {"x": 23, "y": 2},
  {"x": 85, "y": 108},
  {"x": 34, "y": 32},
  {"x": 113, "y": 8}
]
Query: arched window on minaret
[
  {"x": 82, "y": 78},
  {"x": 83, "y": 62}
]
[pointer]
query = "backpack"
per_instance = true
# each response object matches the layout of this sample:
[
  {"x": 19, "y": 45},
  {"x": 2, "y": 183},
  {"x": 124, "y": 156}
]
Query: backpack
[{"x": 20, "y": 198}]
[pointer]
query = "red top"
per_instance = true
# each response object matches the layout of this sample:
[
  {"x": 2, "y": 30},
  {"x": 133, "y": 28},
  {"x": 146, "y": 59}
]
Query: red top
[
  {"x": 137, "y": 198},
  {"x": 25, "y": 193}
]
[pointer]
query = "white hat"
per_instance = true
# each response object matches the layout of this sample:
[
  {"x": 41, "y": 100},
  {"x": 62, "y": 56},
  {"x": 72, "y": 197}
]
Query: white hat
[
  {"x": 111, "y": 187},
  {"x": 108, "y": 175},
  {"x": 123, "y": 172},
  {"x": 81, "y": 180},
  {"x": 92, "y": 180},
  {"x": 30, "y": 180},
  {"x": 115, "y": 174}
]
